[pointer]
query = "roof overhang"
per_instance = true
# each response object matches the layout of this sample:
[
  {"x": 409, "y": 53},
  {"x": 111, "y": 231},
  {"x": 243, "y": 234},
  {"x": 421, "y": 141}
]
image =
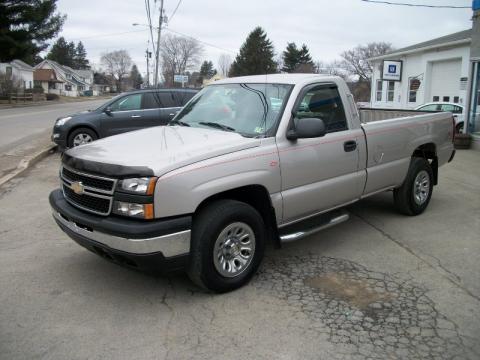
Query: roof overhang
[{"x": 422, "y": 49}]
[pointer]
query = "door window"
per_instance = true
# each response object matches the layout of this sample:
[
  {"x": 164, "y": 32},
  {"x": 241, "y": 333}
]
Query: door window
[
  {"x": 391, "y": 91},
  {"x": 431, "y": 107},
  {"x": 165, "y": 99},
  {"x": 452, "y": 108},
  {"x": 323, "y": 102},
  {"x": 127, "y": 103},
  {"x": 150, "y": 101}
]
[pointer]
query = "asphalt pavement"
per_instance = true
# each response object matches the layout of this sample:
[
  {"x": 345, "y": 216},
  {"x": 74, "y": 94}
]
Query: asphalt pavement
[
  {"x": 26, "y": 130},
  {"x": 380, "y": 286}
]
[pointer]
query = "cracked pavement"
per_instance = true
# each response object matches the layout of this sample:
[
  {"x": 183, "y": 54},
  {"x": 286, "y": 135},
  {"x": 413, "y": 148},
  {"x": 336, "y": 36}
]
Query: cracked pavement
[{"x": 380, "y": 286}]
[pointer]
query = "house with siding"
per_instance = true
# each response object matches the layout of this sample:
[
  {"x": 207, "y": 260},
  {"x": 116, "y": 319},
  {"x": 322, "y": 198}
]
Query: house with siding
[
  {"x": 19, "y": 70},
  {"x": 61, "y": 79}
]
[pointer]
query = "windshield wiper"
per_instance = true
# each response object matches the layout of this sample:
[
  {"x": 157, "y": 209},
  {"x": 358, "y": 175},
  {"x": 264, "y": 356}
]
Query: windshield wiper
[
  {"x": 178, "y": 122},
  {"x": 217, "y": 125}
]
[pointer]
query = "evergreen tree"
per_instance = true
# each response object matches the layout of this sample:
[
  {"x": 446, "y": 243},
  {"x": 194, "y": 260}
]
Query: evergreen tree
[
  {"x": 81, "y": 61},
  {"x": 62, "y": 52},
  {"x": 256, "y": 56},
  {"x": 25, "y": 28},
  {"x": 291, "y": 57},
  {"x": 135, "y": 77},
  {"x": 297, "y": 60},
  {"x": 207, "y": 70}
]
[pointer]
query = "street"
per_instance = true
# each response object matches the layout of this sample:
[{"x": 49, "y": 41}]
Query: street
[
  {"x": 381, "y": 285},
  {"x": 28, "y": 129}
]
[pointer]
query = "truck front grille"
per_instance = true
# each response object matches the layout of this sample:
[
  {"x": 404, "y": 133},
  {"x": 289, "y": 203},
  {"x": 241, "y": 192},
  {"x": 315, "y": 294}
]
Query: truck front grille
[{"x": 96, "y": 195}]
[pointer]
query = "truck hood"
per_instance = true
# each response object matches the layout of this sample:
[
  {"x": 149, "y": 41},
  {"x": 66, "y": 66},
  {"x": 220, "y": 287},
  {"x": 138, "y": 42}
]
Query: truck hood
[{"x": 155, "y": 151}]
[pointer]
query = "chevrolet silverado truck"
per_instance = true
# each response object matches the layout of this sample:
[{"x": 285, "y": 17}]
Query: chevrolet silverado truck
[{"x": 247, "y": 161}]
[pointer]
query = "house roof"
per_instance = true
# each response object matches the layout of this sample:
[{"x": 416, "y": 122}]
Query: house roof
[
  {"x": 464, "y": 36},
  {"x": 75, "y": 79},
  {"x": 22, "y": 65},
  {"x": 45, "y": 75}
]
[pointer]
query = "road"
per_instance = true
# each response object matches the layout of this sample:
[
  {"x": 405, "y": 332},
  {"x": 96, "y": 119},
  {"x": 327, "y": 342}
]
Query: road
[
  {"x": 380, "y": 286},
  {"x": 21, "y": 125}
]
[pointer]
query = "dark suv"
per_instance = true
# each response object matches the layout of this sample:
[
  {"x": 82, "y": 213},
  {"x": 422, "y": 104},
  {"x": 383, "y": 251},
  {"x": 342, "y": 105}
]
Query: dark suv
[{"x": 126, "y": 112}]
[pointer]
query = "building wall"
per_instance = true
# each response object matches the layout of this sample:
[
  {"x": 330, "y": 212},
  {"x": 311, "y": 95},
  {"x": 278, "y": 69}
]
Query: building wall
[
  {"x": 23, "y": 75},
  {"x": 419, "y": 65}
]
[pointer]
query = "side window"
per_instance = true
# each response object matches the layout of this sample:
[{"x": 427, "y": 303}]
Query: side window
[
  {"x": 432, "y": 107},
  {"x": 165, "y": 99},
  {"x": 324, "y": 102},
  {"x": 452, "y": 108},
  {"x": 182, "y": 97},
  {"x": 458, "y": 110},
  {"x": 150, "y": 101},
  {"x": 127, "y": 103}
]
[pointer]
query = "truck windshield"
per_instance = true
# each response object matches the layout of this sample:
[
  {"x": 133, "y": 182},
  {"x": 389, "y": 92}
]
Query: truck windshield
[{"x": 251, "y": 110}]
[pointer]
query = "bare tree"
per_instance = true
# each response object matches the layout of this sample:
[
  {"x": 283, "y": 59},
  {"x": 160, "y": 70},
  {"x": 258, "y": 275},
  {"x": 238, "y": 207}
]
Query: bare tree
[
  {"x": 10, "y": 84},
  {"x": 117, "y": 65},
  {"x": 224, "y": 63},
  {"x": 334, "y": 68},
  {"x": 178, "y": 54},
  {"x": 355, "y": 61}
]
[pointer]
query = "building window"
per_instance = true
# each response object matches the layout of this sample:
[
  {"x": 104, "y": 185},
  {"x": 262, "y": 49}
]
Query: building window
[
  {"x": 68, "y": 87},
  {"x": 412, "y": 90},
  {"x": 456, "y": 99},
  {"x": 379, "y": 90},
  {"x": 446, "y": 99},
  {"x": 436, "y": 98},
  {"x": 391, "y": 91}
]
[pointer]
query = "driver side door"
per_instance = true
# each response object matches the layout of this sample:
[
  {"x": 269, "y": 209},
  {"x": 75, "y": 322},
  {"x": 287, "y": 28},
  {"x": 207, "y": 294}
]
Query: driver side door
[
  {"x": 125, "y": 115},
  {"x": 320, "y": 173}
]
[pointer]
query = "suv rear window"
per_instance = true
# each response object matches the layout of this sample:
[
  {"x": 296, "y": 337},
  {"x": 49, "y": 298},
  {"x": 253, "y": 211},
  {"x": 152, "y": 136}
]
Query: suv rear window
[{"x": 182, "y": 97}]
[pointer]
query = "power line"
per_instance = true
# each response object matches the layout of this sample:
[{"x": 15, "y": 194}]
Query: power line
[
  {"x": 174, "y": 11},
  {"x": 149, "y": 18},
  {"x": 417, "y": 5},
  {"x": 200, "y": 41}
]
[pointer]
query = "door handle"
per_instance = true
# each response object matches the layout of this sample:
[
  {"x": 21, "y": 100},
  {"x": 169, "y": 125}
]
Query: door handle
[
  {"x": 136, "y": 116},
  {"x": 349, "y": 145}
]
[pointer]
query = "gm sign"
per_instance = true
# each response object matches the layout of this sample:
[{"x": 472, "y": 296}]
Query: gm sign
[{"x": 392, "y": 70}]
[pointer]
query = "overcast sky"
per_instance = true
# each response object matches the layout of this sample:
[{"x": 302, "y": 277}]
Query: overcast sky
[{"x": 327, "y": 26}]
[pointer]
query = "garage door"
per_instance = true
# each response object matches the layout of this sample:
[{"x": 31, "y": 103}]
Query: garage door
[{"x": 445, "y": 84}]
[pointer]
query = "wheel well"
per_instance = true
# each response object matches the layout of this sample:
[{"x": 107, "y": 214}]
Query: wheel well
[
  {"x": 429, "y": 152},
  {"x": 81, "y": 127},
  {"x": 256, "y": 196}
]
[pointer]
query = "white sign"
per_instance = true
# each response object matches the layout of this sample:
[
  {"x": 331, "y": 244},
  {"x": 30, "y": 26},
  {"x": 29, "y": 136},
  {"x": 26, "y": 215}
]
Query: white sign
[
  {"x": 392, "y": 70},
  {"x": 180, "y": 78}
]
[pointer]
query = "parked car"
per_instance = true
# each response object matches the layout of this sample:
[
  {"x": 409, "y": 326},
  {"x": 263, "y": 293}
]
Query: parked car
[
  {"x": 126, "y": 112},
  {"x": 232, "y": 172},
  {"x": 455, "y": 109}
]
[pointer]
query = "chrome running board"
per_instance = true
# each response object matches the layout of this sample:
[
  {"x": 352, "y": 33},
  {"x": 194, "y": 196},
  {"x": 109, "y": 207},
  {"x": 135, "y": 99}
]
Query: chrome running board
[{"x": 325, "y": 222}]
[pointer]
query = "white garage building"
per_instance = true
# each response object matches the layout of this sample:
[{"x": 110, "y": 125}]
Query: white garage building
[{"x": 435, "y": 70}]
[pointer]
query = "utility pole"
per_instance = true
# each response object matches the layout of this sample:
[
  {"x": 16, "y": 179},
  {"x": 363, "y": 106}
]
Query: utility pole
[
  {"x": 149, "y": 55},
  {"x": 157, "y": 55}
]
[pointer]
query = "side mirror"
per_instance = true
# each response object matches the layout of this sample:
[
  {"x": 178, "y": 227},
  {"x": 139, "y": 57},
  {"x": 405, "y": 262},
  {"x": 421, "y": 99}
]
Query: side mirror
[
  {"x": 108, "y": 110},
  {"x": 307, "y": 128}
]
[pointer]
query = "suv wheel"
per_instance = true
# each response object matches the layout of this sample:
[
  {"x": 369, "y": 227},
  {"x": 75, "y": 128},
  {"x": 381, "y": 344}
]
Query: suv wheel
[
  {"x": 413, "y": 196},
  {"x": 81, "y": 136},
  {"x": 228, "y": 242}
]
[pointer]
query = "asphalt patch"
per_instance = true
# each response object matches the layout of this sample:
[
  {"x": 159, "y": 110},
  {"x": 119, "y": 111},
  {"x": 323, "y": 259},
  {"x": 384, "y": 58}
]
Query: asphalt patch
[{"x": 367, "y": 314}]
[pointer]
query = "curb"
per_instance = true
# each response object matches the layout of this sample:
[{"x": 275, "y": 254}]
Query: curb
[{"x": 28, "y": 162}]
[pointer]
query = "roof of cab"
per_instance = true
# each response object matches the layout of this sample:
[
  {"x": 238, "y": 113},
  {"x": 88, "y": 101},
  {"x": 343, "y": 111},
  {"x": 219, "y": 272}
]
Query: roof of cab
[{"x": 292, "y": 79}]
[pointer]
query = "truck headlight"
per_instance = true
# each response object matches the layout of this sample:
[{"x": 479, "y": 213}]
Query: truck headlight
[
  {"x": 141, "y": 211},
  {"x": 139, "y": 186},
  {"x": 62, "y": 121}
]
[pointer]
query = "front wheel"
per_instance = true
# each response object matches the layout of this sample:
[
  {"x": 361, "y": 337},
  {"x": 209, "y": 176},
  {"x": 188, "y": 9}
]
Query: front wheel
[
  {"x": 228, "y": 243},
  {"x": 81, "y": 136},
  {"x": 413, "y": 196}
]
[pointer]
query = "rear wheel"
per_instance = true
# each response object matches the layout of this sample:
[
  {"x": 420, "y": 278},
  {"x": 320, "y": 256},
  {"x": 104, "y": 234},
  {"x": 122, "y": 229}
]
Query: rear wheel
[
  {"x": 228, "y": 242},
  {"x": 81, "y": 136},
  {"x": 413, "y": 196},
  {"x": 459, "y": 128}
]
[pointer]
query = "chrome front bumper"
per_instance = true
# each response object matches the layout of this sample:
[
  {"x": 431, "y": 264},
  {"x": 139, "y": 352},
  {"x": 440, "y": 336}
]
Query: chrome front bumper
[{"x": 169, "y": 245}]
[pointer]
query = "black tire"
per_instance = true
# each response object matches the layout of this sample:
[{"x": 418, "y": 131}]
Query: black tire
[
  {"x": 208, "y": 224},
  {"x": 459, "y": 128},
  {"x": 404, "y": 196},
  {"x": 80, "y": 131}
]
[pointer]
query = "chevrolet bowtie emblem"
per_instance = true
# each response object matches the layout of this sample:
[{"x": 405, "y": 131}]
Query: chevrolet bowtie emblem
[{"x": 77, "y": 187}]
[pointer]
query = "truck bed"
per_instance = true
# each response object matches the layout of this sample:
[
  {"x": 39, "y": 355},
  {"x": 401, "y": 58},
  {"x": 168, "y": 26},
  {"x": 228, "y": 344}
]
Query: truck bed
[{"x": 368, "y": 115}]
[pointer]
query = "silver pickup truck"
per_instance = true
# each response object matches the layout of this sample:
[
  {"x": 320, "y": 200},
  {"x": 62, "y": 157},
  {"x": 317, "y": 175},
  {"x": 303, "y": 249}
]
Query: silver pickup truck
[{"x": 247, "y": 161}]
